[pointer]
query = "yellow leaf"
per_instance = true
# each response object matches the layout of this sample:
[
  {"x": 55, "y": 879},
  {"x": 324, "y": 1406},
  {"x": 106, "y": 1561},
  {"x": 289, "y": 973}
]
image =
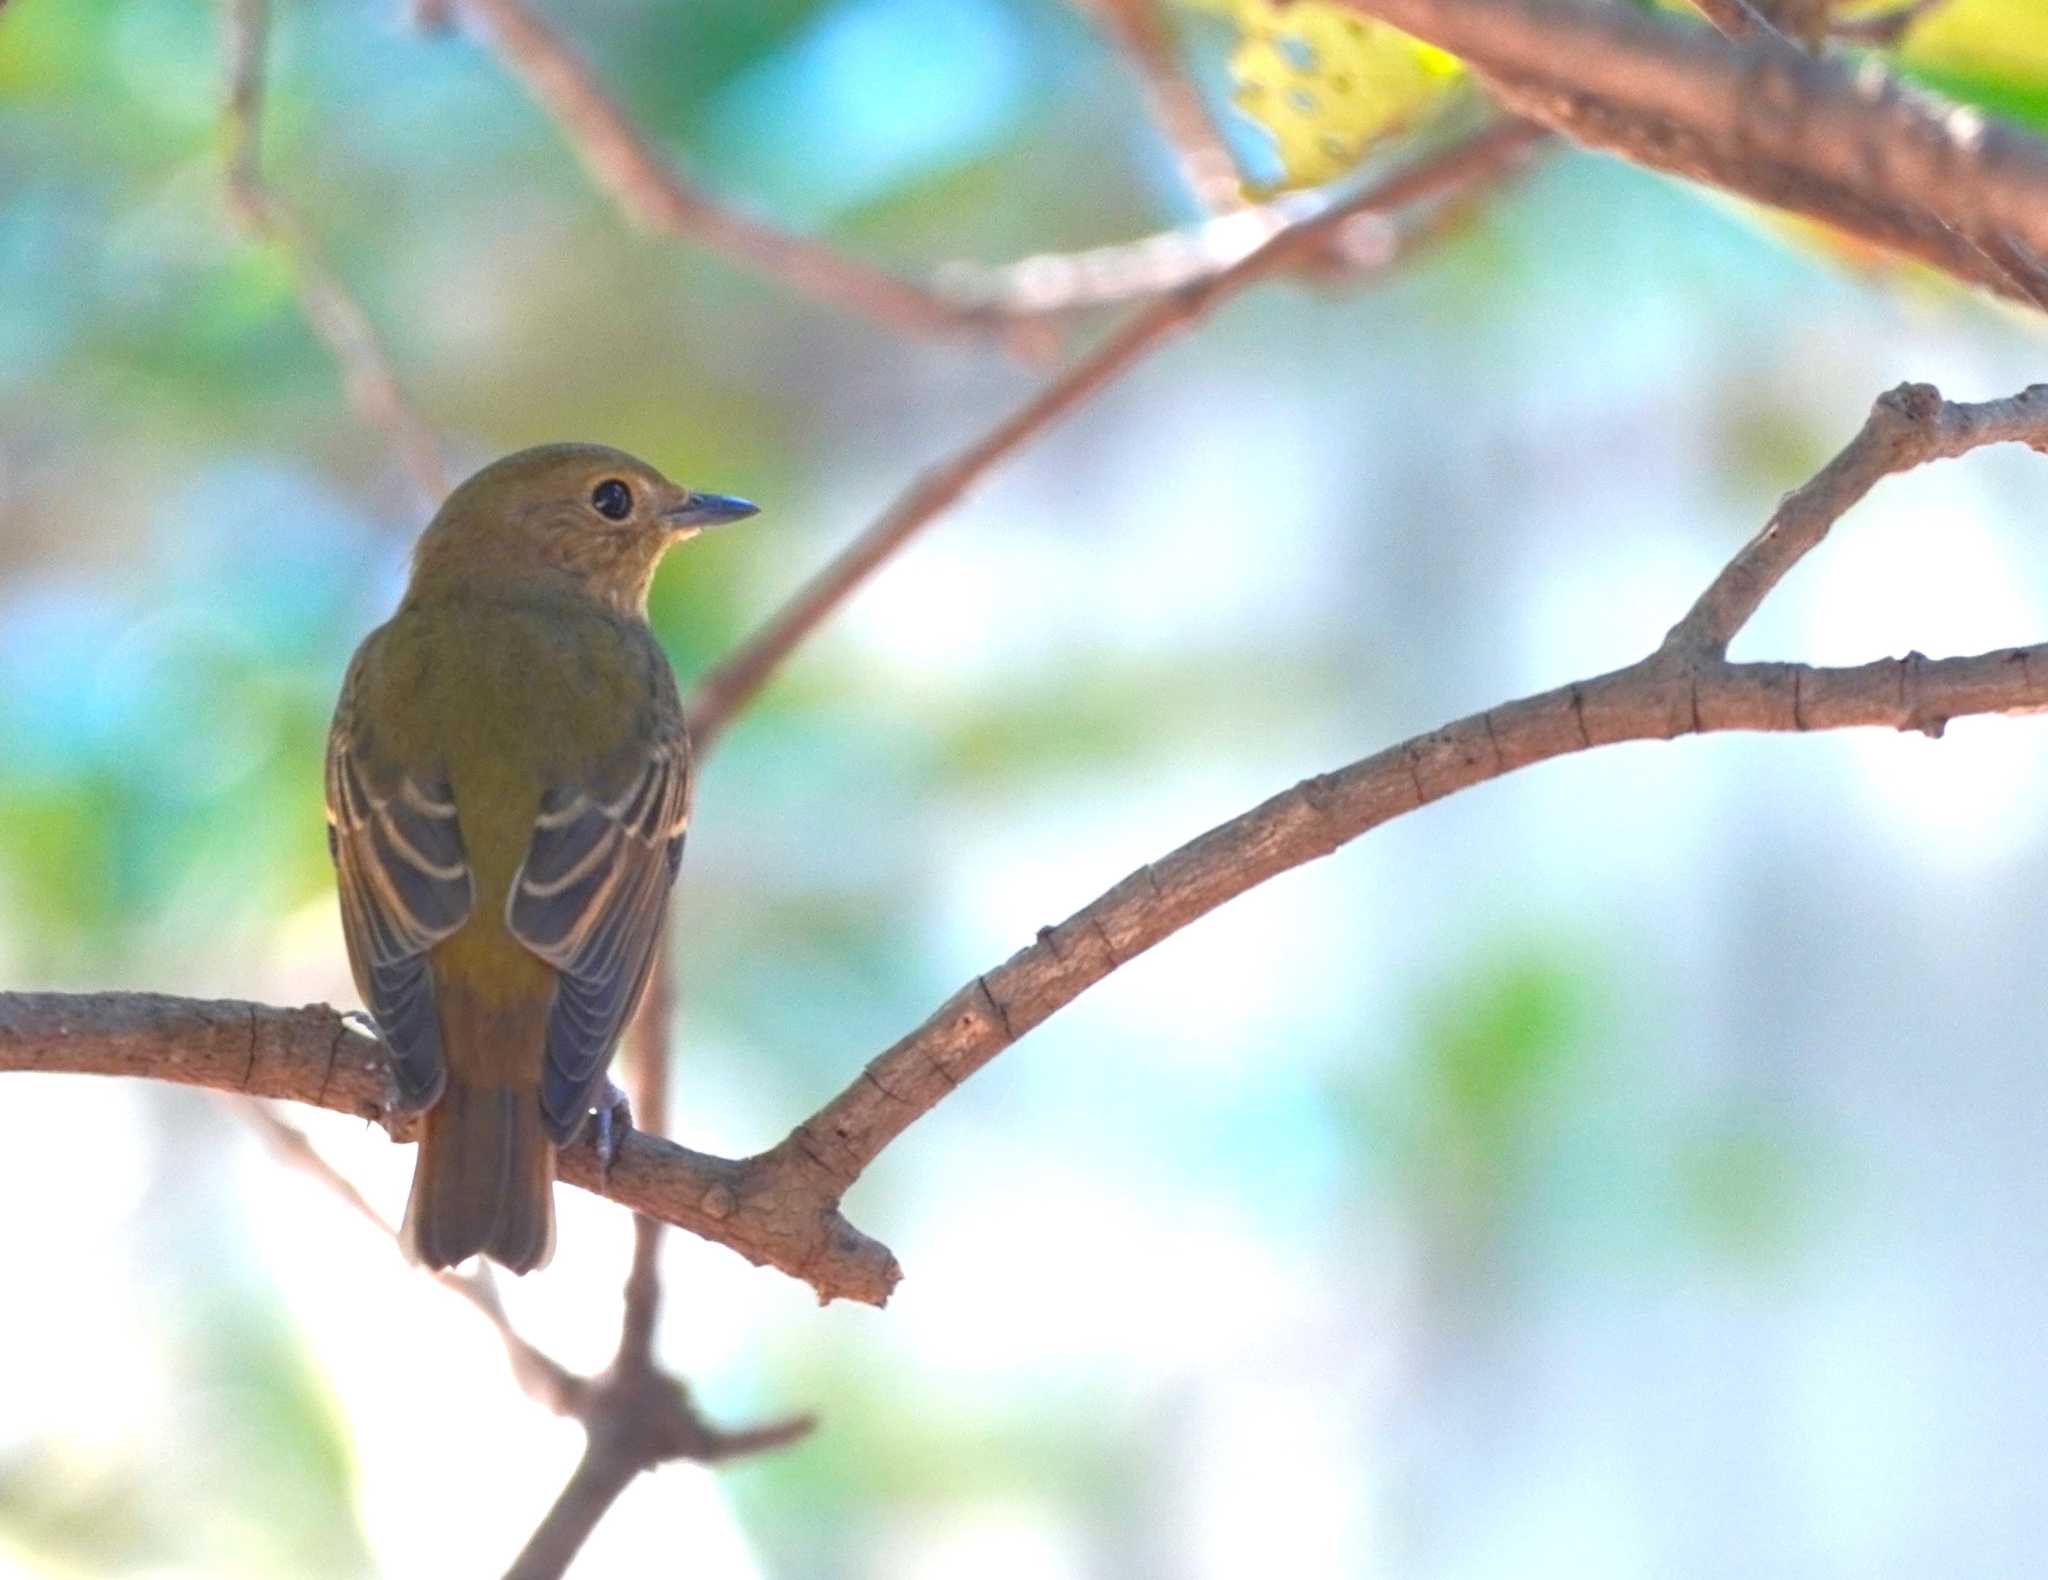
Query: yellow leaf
[{"x": 1327, "y": 83}]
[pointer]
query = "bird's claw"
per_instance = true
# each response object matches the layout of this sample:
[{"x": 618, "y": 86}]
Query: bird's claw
[
  {"x": 363, "y": 1022},
  {"x": 614, "y": 1119},
  {"x": 394, "y": 1113},
  {"x": 397, "y": 1110}
]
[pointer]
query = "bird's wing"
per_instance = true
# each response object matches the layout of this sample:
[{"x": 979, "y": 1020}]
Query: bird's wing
[
  {"x": 589, "y": 900},
  {"x": 405, "y": 885}
]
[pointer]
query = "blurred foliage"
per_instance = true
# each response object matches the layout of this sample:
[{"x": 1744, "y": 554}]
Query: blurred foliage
[
  {"x": 1744, "y": 1190},
  {"x": 1513, "y": 1133},
  {"x": 270, "y": 1431},
  {"x": 897, "y": 1453},
  {"x": 1992, "y": 53},
  {"x": 88, "y": 1516},
  {"x": 1471, "y": 1124},
  {"x": 250, "y": 1477}
]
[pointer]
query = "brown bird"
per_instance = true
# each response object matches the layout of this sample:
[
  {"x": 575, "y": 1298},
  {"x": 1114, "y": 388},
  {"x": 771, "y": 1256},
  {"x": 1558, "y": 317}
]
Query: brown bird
[{"x": 508, "y": 782}]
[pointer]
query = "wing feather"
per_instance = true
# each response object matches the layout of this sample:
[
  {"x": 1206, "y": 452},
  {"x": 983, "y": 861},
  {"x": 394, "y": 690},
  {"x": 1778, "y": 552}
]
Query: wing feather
[
  {"x": 405, "y": 885},
  {"x": 589, "y": 900}
]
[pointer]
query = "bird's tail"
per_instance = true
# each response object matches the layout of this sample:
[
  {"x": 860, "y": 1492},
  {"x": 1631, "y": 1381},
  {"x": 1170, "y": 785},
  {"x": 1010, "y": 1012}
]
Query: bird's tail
[{"x": 485, "y": 1181}]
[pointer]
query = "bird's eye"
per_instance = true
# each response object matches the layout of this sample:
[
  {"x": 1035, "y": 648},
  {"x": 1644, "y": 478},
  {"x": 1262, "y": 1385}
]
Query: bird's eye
[{"x": 612, "y": 499}]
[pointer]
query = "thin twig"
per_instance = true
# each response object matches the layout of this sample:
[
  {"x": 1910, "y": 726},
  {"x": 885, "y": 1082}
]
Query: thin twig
[
  {"x": 648, "y": 1058},
  {"x": 643, "y": 1424},
  {"x": 728, "y": 687},
  {"x": 368, "y": 378},
  {"x": 635, "y": 1415},
  {"x": 1124, "y": 273},
  {"x": 291, "y": 1146},
  {"x": 623, "y": 163},
  {"x": 1146, "y": 41},
  {"x": 544, "y": 1379},
  {"x": 1907, "y": 427}
]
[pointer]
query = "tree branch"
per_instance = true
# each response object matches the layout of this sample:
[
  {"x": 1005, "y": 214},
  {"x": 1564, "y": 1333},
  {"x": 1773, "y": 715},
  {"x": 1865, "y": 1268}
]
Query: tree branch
[
  {"x": 1907, "y": 427},
  {"x": 734, "y": 682},
  {"x": 648, "y": 1066},
  {"x": 367, "y": 377},
  {"x": 638, "y": 1422},
  {"x": 545, "y": 1380},
  {"x": 1056, "y": 283},
  {"x": 635, "y": 1415},
  {"x": 1853, "y": 148},
  {"x": 316, "y": 1055},
  {"x": 781, "y": 1208},
  {"x": 651, "y": 194},
  {"x": 1207, "y": 166}
]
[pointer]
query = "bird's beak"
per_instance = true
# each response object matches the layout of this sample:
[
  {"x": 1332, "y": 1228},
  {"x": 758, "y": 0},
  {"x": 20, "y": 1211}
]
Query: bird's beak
[{"x": 708, "y": 510}]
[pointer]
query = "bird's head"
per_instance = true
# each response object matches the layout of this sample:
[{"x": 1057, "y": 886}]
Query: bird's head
[{"x": 579, "y": 515}]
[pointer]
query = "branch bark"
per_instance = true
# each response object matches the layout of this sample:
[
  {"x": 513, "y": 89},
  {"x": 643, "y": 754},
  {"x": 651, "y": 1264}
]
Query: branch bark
[
  {"x": 636, "y": 1422},
  {"x": 781, "y": 1208},
  {"x": 1851, "y": 147}
]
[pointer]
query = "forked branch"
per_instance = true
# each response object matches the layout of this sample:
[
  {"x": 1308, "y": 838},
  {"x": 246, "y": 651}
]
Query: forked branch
[{"x": 781, "y": 1207}]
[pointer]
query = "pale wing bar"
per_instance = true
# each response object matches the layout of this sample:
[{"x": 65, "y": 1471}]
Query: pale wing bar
[
  {"x": 588, "y": 900},
  {"x": 405, "y": 885}
]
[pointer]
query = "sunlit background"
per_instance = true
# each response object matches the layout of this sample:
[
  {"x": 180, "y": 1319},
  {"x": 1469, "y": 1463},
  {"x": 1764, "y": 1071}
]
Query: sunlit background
[{"x": 1631, "y": 1168}]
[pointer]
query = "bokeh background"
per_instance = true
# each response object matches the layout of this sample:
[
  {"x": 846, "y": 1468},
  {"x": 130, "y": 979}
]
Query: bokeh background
[{"x": 1631, "y": 1168}]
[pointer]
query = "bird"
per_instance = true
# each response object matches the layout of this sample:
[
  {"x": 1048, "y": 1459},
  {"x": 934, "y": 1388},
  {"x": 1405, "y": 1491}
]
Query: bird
[{"x": 508, "y": 785}]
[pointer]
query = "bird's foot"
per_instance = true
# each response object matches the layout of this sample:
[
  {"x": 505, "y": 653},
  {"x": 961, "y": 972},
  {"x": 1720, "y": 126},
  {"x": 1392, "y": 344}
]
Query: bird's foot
[
  {"x": 614, "y": 1119},
  {"x": 396, "y": 1112}
]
